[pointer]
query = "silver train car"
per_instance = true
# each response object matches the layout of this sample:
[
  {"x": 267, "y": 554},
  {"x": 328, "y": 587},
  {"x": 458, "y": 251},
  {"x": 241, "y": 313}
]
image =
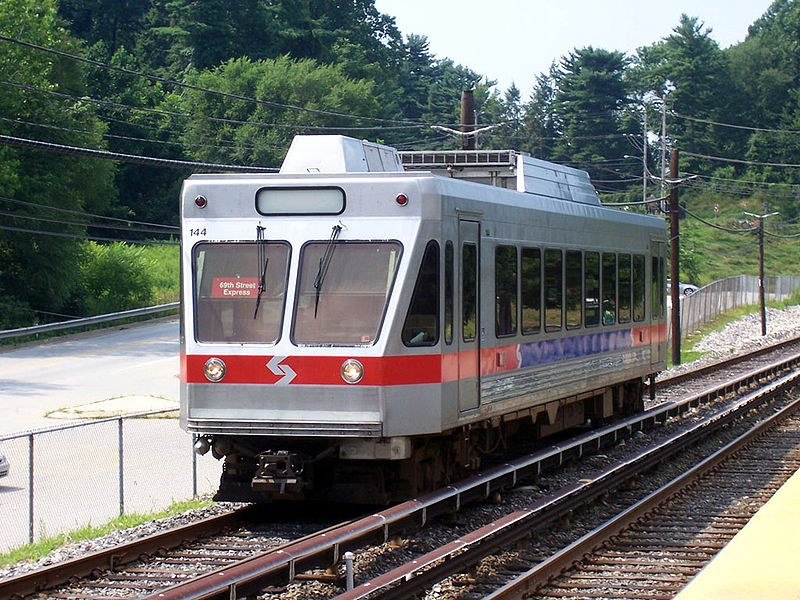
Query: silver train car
[{"x": 366, "y": 324}]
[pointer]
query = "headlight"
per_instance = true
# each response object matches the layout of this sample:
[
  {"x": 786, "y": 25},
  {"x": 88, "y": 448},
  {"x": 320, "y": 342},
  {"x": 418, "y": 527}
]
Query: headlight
[
  {"x": 214, "y": 369},
  {"x": 352, "y": 370}
]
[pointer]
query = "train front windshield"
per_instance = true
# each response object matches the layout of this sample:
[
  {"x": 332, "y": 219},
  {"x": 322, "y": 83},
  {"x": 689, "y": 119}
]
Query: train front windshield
[
  {"x": 342, "y": 292},
  {"x": 231, "y": 304}
]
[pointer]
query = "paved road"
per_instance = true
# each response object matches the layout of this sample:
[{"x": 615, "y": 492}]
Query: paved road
[{"x": 137, "y": 365}]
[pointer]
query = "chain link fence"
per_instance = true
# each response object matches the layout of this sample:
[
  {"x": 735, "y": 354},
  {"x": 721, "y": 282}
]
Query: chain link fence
[
  {"x": 64, "y": 478},
  {"x": 727, "y": 294}
]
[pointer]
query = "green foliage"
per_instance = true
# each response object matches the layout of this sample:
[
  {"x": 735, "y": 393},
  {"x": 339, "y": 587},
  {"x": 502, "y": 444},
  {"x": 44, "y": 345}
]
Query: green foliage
[
  {"x": 306, "y": 61},
  {"x": 321, "y": 90},
  {"x": 116, "y": 277}
]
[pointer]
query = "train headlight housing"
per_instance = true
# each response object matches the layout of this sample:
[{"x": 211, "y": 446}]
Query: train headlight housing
[
  {"x": 352, "y": 370},
  {"x": 214, "y": 369}
]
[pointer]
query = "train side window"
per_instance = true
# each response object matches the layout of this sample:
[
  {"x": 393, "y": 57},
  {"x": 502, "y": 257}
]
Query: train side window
[
  {"x": 505, "y": 290},
  {"x": 662, "y": 286},
  {"x": 609, "y": 289},
  {"x": 422, "y": 321},
  {"x": 573, "y": 277},
  {"x": 448, "y": 292},
  {"x": 553, "y": 290},
  {"x": 638, "y": 287},
  {"x": 657, "y": 288},
  {"x": 469, "y": 296},
  {"x": 531, "y": 290},
  {"x": 624, "y": 288},
  {"x": 591, "y": 278}
]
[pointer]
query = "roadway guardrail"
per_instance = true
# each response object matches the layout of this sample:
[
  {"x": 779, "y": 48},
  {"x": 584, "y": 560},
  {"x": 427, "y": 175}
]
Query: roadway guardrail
[{"x": 83, "y": 322}]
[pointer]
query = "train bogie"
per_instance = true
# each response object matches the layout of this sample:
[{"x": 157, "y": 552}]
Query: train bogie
[{"x": 358, "y": 331}]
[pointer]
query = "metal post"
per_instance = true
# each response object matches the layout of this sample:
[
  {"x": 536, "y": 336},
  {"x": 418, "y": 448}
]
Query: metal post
[
  {"x": 674, "y": 251},
  {"x": 194, "y": 469},
  {"x": 121, "y": 470},
  {"x": 30, "y": 488},
  {"x": 761, "y": 267},
  {"x": 348, "y": 567},
  {"x": 761, "y": 276}
]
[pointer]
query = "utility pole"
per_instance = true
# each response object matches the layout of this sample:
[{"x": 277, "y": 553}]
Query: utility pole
[
  {"x": 644, "y": 159},
  {"x": 674, "y": 251},
  {"x": 761, "y": 267},
  {"x": 467, "y": 119},
  {"x": 663, "y": 144}
]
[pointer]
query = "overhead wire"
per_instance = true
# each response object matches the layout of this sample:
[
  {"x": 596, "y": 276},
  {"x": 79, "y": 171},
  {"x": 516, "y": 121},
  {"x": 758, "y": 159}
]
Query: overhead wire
[
  {"x": 164, "y": 162},
  {"x": 88, "y": 237},
  {"x": 21, "y": 215},
  {"x": 85, "y": 214},
  {"x": 188, "y": 86}
]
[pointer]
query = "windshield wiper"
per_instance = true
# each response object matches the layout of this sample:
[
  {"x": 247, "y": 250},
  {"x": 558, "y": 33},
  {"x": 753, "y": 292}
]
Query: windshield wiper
[
  {"x": 262, "y": 259},
  {"x": 324, "y": 263}
]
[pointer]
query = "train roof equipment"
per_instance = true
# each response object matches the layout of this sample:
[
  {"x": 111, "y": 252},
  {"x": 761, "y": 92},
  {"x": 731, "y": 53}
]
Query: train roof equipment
[{"x": 507, "y": 169}]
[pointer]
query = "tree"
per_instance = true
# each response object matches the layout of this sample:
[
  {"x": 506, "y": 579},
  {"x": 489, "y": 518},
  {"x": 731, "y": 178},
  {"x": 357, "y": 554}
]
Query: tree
[
  {"x": 590, "y": 96},
  {"x": 36, "y": 269},
  {"x": 540, "y": 117},
  {"x": 691, "y": 68},
  {"x": 300, "y": 97}
]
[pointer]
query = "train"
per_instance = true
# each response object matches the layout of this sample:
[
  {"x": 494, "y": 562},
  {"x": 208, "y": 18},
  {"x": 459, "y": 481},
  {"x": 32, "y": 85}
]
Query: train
[{"x": 367, "y": 324}]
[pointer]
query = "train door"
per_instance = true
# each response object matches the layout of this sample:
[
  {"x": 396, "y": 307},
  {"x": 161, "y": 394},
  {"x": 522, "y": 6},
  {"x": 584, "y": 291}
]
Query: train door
[
  {"x": 658, "y": 281},
  {"x": 469, "y": 334}
]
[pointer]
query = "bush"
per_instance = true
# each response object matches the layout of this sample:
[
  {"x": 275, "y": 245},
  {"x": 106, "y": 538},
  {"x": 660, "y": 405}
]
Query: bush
[{"x": 116, "y": 277}]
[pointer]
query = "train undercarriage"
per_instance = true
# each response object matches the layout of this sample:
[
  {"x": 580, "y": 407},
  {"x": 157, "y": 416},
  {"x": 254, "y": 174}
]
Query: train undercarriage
[{"x": 259, "y": 469}]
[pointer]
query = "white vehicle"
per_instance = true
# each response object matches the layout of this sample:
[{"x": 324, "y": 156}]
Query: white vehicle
[{"x": 365, "y": 324}]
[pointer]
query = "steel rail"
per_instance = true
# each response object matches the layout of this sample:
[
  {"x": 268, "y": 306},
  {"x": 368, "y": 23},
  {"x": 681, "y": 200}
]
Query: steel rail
[
  {"x": 699, "y": 372},
  {"x": 413, "y": 578},
  {"x": 564, "y": 560},
  {"x": 293, "y": 559},
  {"x": 113, "y": 558},
  {"x": 279, "y": 566},
  {"x": 83, "y": 322}
]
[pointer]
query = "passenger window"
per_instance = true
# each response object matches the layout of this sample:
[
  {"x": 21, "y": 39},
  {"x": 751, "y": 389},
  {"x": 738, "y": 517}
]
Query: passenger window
[
  {"x": 638, "y": 287},
  {"x": 505, "y": 290},
  {"x": 469, "y": 296},
  {"x": 422, "y": 322},
  {"x": 609, "y": 289},
  {"x": 654, "y": 287},
  {"x": 591, "y": 276},
  {"x": 448, "y": 292},
  {"x": 624, "y": 288},
  {"x": 531, "y": 290},
  {"x": 658, "y": 285},
  {"x": 573, "y": 288},
  {"x": 553, "y": 290}
]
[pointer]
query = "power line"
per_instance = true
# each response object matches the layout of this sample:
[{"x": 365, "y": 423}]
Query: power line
[
  {"x": 188, "y": 86},
  {"x": 147, "y": 160},
  {"x": 19, "y": 215},
  {"x": 128, "y": 138},
  {"x": 167, "y": 113},
  {"x": 740, "y": 161},
  {"x": 91, "y": 238},
  {"x": 732, "y": 126},
  {"x": 715, "y": 226},
  {"x": 85, "y": 214}
]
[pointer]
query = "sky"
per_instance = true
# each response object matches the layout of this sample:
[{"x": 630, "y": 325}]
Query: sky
[{"x": 515, "y": 40}]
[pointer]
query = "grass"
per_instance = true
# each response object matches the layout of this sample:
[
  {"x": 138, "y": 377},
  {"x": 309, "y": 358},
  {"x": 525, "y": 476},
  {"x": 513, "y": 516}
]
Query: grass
[{"x": 33, "y": 552}]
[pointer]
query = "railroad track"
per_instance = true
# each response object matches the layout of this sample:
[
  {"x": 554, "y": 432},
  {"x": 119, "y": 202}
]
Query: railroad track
[
  {"x": 279, "y": 562},
  {"x": 656, "y": 546}
]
